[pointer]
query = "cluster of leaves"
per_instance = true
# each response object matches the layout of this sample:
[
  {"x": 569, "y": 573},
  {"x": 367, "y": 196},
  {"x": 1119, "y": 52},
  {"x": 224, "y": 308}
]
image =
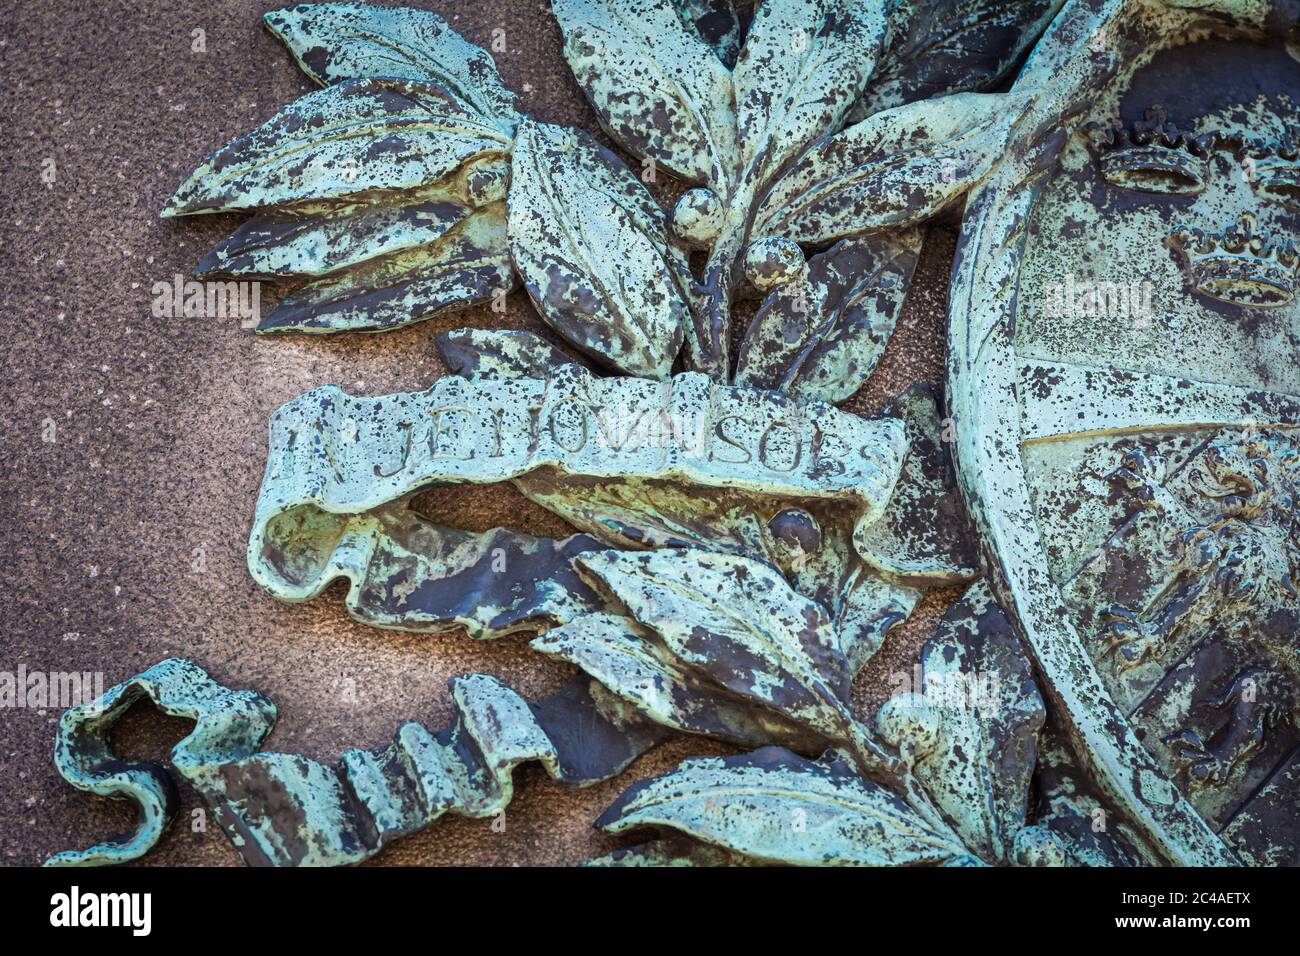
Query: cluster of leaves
[
  {"x": 722, "y": 646},
  {"x": 817, "y": 143},
  {"x": 411, "y": 184}
]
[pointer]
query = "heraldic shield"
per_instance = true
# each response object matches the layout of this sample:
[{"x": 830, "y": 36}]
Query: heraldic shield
[{"x": 1124, "y": 385}]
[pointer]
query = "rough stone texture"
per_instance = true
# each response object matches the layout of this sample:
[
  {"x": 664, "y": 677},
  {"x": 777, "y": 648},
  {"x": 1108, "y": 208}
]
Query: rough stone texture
[{"x": 161, "y": 429}]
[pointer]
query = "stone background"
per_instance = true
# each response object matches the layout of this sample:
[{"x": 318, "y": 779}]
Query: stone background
[{"x": 160, "y": 428}]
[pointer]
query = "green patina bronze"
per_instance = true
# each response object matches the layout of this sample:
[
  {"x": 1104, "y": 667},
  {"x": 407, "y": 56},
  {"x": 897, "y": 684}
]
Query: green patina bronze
[
  {"x": 1118, "y": 684},
  {"x": 1130, "y": 465},
  {"x": 285, "y": 810},
  {"x": 628, "y": 461}
]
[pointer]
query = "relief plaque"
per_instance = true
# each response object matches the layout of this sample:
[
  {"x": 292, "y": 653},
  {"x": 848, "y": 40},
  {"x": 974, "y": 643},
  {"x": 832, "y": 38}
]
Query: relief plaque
[{"x": 1107, "y": 478}]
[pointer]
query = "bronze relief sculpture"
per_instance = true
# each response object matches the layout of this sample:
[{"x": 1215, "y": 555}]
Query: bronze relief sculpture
[
  {"x": 1111, "y": 476},
  {"x": 1144, "y": 530}
]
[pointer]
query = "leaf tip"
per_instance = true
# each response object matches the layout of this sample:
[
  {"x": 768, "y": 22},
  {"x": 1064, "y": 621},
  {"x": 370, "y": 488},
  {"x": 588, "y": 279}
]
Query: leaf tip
[{"x": 176, "y": 205}]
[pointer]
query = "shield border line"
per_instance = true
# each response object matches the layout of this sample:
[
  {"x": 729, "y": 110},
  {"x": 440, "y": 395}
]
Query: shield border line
[{"x": 1065, "y": 71}]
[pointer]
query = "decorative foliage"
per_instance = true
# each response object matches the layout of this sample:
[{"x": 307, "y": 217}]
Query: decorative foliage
[
  {"x": 897, "y": 167},
  {"x": 321, "y": 147},
  {"x": 658, "y": 88},
  {"x": 312, "y": 239},
  {"x": 966, "y": 741},
  {"x": 468, "y": 265},
  {"x": 639, "y": 668},
  {"x": 341, "y": 41},
  {"x": 743, "y": 548},
  {"x": 738, "y": 623},
  {"x": 592, "y": 248},
  {"x": 821, "y": 336},
  {"x": 773, "y": 806},
  {"x": 746, "y": 628},
  {"x": 487, "y": 354},
  {"x": 803, "y": 65},
  {"x": 384, "y": 187},
  {"x": 970, "y": 733}
]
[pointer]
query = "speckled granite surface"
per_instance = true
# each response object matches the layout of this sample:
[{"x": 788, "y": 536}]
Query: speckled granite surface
[{"x": 124, "y": 537}]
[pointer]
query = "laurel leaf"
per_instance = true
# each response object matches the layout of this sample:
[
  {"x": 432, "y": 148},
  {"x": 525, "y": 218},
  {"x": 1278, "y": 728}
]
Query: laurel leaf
[
  {"x": 657, "y": 88},
  {"x": 469, "y": 264},
  {"x": 591, "y": 246},
  {"x": 318, "y": 238},
  {"x": 773, "y": 806},
  {"x": 359, "y": 137},
  {"x": 804, "y": 63},
  {"x": 971, "y": 734},
  {"x": 895, "y": 168},
  {"x": 820, "y": 337},
  {"x": 341, "y": 41},
  {"x": 498, "y": 353},
  {"x": 738, "y": 621}
]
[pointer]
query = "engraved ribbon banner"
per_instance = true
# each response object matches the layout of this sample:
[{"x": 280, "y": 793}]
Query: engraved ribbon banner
[{"x": 341, "y": 471}]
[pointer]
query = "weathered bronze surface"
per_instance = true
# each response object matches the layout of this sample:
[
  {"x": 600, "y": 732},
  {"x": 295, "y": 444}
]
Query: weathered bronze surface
[
  {"x": 1117, "y": 685},
  {"x": 1132, "y": 470},
  {"x": 285, "y": 810}
]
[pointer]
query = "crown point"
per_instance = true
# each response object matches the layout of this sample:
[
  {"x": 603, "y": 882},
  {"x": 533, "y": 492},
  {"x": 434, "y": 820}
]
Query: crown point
[
  {"x": 1153, "y": 155},
  {"x": 1241, "y": 265}
]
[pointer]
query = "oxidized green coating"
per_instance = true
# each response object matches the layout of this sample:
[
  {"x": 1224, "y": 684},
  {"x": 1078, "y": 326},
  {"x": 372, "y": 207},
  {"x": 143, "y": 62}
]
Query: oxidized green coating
[
  {"x": 339, "y": 468},
  {"x": 658, "y": 89},
  {"x": 703, "y": 643},
  {"x": 488, "y": 353},
  {"x": 310, "y": 149},
  {"x": 744, "y": 548},
  {"x": 938, "y": 47},
  {"x": 663, "y": 95},
  {"x": 227, "y": 724},
  {"x": 591, "y": 245},
  {"x": 284, "y": 810},
  {"x": 733, "y": 623},
  {"x": 923, "y": 538},
  {"x": 773, "y": 806},
  {"x": 469, "y": 264},
  {"x": 1124, "y": 465},
  {"x": 340, "y": 41},
  {"x": 384, "y": 188},
  {"x": 821, "y": 334},
  {"x": 892, "y": 169},
  {"x": 967, "y": 739},
  {"x": 973, "y": 745},
  {"x": 636, "y": 667}
]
